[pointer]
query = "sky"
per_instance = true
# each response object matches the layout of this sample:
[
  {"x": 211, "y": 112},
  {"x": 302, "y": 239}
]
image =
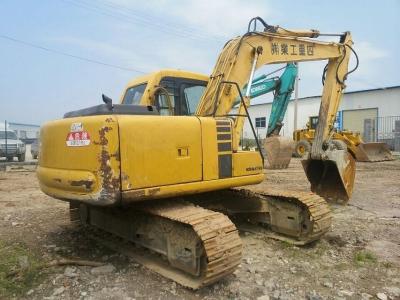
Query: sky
[{"x": 61, "y": 55}]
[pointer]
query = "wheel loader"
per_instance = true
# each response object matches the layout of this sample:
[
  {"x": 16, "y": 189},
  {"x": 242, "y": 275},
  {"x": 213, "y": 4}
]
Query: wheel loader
[
  {"x": 153, "y": 178},
  {"x": 342, "y": 139}
]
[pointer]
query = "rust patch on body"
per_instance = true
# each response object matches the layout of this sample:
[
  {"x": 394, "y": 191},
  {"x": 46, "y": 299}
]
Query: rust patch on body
[
  {"x": 87, "y": 183},
  {"x": 136, "y": 194},
  {"x": 57, "y": 180},
  {"x": 110, "y": 184},
  {"x": 124, "y": 176},
  {"x": 109, "y": 120},
  {"x": 154, "y": 191},
  {"x": 116, "y": 155}
]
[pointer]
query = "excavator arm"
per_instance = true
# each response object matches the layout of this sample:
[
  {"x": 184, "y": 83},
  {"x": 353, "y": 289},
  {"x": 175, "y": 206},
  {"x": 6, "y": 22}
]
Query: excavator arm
[
  {"x": 281, "y": 99},
  {"x": 235, "y": 67}
]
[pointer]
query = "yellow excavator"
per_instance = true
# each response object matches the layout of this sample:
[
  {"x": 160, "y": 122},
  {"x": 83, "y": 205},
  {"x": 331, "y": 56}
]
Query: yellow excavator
[
  {"x": 160, "y": 180},
  {"x": 342, "y": 139}
]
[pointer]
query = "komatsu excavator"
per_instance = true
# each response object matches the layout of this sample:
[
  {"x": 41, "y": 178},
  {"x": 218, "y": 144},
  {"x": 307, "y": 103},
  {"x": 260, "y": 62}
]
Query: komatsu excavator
[
  {"x": 361, "y": 151},
  {"x": 130, "y": 170}
]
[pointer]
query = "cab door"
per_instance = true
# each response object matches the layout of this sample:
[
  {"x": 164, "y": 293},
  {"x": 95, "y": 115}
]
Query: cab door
[{"x": 183, "y": 96}]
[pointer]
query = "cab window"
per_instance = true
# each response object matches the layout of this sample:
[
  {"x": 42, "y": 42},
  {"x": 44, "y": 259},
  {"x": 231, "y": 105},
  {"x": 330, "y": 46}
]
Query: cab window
[
  {"x": 162, "y": 102},
  {"x": 184, "y": 94},
  {"x": 134, "y": 94},
  {"x": 166, "y": 105},
  {"x": 192, "y": 95},
  {"x": 314, "y": 122}
]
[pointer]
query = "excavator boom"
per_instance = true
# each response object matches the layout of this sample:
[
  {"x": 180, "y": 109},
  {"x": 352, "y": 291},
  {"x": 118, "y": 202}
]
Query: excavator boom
[{"x": 331, "y": 173}]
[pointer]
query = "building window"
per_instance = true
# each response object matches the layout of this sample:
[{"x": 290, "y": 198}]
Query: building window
[
  {"x": 22, "y": 134},
  {"x": 260, "y": 122}
]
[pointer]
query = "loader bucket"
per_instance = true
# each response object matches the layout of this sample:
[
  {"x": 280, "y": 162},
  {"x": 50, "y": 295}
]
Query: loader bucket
[
  {"x": 373, "y": 152},
  {"x": 333, "y": 177},
  {"x": 278, "y": 151}
]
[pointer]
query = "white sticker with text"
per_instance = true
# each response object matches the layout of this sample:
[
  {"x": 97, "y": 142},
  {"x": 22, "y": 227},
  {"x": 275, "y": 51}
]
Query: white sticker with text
[{"x": 78, "y": 139}]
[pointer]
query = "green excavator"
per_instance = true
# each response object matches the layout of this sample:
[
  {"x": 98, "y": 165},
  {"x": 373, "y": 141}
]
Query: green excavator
[{"x": 277, "y": 149}]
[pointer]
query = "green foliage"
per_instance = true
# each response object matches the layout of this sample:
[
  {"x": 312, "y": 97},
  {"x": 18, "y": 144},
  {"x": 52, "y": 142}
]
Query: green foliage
[
  {"x": 248, "y": 143},
  {"x": 363, "y": 257},
  {"x": 19, "y": 269}
]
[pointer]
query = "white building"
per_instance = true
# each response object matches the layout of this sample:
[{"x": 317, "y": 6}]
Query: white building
[
  {"x": 25, "y": 132},
  {"x": 375, "y": 113}
]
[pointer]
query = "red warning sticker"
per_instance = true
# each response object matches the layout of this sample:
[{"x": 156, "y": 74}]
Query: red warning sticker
[{"x": 78, "y": 139}]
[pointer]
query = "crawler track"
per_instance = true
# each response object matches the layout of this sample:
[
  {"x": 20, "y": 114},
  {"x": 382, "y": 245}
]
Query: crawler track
[
  {"x": 293, "y": 216},
  {"x": 219, "y": 239},
  {"x": 315, "y": 211}
]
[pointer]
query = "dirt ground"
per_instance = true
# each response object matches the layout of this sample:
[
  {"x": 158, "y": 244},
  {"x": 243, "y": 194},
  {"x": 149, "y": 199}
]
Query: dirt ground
[{"x": 358, "y": 259}]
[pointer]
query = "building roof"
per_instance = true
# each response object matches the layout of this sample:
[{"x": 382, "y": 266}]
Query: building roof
[
  {"x": 22, "y": 124},
  {"x": 345, "y": 93}
]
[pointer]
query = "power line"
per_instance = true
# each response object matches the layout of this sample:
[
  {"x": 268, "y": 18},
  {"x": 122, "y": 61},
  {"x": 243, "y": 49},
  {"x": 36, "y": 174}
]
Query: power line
[
  {"x": 21, "y": 42},
  {"x": 124, "y": 18},
  {"x": 164, "y": 23},
  {"x": 119, "y": 13}
]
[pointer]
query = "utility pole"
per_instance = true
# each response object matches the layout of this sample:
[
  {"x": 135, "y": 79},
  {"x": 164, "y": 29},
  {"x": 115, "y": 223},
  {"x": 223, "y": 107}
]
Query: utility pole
[
  {"x": 296, "y": 96},
  {"x": 5, "y": 135}
]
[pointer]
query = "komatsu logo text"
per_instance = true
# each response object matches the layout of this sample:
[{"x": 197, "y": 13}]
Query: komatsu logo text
[{"x": 250, "y": 169}]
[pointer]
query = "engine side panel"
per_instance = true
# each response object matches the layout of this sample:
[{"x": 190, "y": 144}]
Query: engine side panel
[
  {"x": 80, "y": 160},
  {"x": 159, "y": 151}
]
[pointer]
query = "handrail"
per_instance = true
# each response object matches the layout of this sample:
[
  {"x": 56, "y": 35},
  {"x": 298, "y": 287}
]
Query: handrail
[{"x": 245, "y": 108}]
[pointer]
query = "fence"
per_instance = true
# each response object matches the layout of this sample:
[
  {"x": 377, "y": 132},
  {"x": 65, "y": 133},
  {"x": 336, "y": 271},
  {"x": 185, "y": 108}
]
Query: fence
[{"x": 388, "y": 131}]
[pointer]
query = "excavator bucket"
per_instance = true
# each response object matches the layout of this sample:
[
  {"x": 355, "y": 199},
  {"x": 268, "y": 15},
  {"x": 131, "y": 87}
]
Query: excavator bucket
[
  {"x": 373, "y": 152},
  {"x": 333, "y": 176},
  {"x": 278, "y": 151}
]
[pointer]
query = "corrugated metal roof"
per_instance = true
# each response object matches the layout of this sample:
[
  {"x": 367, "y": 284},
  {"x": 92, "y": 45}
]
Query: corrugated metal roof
[
  {"x": 22, "y": 124},
  {"x": 345, "y": 93}
]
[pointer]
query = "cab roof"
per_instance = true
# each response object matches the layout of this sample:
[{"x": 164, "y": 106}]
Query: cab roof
[{"x": 167, "y": 73}]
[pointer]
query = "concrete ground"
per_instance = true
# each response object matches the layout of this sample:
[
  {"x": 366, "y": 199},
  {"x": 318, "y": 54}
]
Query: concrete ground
[{"x": 358, "y": 259}]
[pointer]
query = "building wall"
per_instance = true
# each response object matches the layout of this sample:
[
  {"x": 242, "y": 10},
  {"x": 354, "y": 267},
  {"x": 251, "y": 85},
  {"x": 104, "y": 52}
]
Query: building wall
[
  {"x": 386, "y": 100},
  {"x": 25, "y": 131}
]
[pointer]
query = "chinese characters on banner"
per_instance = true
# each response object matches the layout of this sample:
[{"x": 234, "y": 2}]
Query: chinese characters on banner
[{"x": 292, "y": 49}]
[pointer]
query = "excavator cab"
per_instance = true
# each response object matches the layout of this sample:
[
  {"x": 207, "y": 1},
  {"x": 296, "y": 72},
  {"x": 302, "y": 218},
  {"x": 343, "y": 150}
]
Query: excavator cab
[{"x": 172, "y": 92}]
